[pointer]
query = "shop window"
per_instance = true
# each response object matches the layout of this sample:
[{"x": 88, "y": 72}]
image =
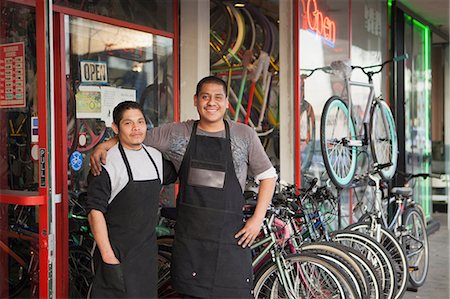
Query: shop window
[
  {"x": 157, "y": 14},
  {"x": 323, "y": 37},
  {"x": 106, "y": 65}
]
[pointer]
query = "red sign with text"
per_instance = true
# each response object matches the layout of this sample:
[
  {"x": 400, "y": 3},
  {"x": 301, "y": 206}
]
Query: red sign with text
[
  {"x": 12, "y": 75},
  {"x": 316, "y": 21}
]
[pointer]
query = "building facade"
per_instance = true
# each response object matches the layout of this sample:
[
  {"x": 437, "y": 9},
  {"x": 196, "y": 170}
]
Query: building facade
[{"x": 64, "y": 65}]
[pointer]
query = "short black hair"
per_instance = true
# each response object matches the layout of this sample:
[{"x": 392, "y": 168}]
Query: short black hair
[
  {"x": 122, "y": 107},
  {"x": 210, "y": 79}
]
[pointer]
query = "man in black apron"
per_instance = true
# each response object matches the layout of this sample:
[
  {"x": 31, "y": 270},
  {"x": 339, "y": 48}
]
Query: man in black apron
[
  {"x": 211, "y": 258},
  {"x": 123, "y": 204}
]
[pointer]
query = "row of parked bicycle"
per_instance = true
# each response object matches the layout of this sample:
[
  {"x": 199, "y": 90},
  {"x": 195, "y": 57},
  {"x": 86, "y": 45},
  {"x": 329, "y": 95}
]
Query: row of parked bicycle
[
  {"x": 297, "y": 256},
  {"x": 299, "y": 253}
]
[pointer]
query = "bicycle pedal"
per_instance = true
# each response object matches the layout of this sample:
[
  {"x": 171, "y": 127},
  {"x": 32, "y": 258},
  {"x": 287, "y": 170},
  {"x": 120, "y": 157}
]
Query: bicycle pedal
[{"x": 413, "y": 268}]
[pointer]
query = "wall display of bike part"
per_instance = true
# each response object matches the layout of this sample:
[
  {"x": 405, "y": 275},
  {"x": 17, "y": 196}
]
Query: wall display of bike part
[{"x": 244, "y": 53}]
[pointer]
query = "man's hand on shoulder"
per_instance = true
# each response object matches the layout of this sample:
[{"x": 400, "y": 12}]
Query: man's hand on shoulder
[{"x": 98, "y": 156}]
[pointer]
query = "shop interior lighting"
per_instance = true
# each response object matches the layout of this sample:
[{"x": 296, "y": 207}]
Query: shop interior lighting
[{"x": 239, "y": 4}]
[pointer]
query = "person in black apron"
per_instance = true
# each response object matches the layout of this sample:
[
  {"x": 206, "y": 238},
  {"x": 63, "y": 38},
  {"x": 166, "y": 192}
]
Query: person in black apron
[
  {"x": 207, "y": 259},
  {"x": 124, "y": 226},
  {"x": 210, "y": 257}
]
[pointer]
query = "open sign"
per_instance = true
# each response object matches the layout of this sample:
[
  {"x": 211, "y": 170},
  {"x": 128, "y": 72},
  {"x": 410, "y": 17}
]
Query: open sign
[
  {"x": 316, "y": 21},
  {"x": 94, "y": 72}
]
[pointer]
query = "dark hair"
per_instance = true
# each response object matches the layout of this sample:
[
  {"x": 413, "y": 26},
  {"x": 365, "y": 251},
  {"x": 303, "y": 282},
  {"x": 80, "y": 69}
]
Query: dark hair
[
  {"x": 122, "y": 107},
  {"x": 210, "y": 79}
]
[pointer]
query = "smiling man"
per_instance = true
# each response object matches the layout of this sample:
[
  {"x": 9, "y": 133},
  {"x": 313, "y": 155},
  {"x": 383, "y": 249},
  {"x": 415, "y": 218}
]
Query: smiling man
[
  {"x": 123, "y": 204},
  {"x": 211, "y": 257}
]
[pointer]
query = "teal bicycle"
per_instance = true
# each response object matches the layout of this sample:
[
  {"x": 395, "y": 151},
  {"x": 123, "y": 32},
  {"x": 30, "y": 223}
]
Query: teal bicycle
[{"x": 341, "y": 140}]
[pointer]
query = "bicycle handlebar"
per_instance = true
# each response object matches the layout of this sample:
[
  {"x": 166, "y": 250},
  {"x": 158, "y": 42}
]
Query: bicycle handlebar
[
  {"x": 325, "y": 69},
  {"x": 381, "y": 66}
]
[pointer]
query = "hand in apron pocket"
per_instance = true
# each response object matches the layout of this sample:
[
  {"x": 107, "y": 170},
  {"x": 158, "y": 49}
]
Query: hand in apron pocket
[{"x": 111, "y": 277}]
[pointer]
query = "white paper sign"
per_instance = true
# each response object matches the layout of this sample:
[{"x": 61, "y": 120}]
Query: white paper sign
[{"x": 111, "y": 96}]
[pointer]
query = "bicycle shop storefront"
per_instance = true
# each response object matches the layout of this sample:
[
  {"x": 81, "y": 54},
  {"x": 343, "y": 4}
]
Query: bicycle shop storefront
[
  {"x": 65, "y": 64},
  {"x": 63, "y": 68}
]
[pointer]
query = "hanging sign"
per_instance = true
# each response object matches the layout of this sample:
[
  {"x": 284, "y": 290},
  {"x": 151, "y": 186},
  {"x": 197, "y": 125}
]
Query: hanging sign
[
  {"x": 94, "y": 72},
  {"x": 76, "y": 160},
  {"x": 12, "y": 75}
]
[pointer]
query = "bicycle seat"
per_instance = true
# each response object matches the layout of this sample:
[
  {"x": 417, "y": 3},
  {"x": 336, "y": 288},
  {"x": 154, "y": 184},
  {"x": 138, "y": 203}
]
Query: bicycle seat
[{"x": 403, "y": 191}]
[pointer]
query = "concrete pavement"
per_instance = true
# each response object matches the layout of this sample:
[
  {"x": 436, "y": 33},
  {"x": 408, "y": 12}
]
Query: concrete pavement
[{"x": 437, "y": 283}]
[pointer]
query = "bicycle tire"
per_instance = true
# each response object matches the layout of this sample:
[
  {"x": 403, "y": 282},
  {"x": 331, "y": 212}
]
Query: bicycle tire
[
  {"x": 339, "y": 158},
  {"x": 383, "y": 138},
  {"x": 237, "y": 43},
  {"x": 339, "y": 256},
  {"x": 375, "y": 253},
  {"x": 221, "y": 27},
  {"x": 307, "y": 134},
  {"x": 337, "y": 282},
  {"x": 375, "y": 290},
  {"x": 416, "y": 237},
  {"x": 362, "y": 265},
  {"x": 395, "y": 249}
]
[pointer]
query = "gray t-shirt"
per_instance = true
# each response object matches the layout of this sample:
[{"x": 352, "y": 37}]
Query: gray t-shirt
[{"x": 248, "y": 153}]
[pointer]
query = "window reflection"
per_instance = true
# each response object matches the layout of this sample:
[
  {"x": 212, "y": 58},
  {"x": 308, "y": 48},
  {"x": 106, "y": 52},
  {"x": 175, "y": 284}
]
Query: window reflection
[
  {"x": 107, "y": 65},
  {"x": 156, "y": 14}
]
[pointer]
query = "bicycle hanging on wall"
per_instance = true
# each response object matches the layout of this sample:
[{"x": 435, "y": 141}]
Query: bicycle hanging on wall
[
  {"x": 245, "y": 55},
  {"x": 341, "y": 140}
]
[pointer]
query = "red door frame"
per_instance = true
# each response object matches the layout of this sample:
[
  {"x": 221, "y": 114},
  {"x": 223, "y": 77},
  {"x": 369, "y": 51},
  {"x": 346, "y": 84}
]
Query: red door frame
[
  {"x": 61, "y": 163},
  {"x": 60, "y": 155},
  {"x": 41, "y": 199},
  {"x": 297, "y": 97},
  {"x": 43, "y": 114},
  {"x": 62, "y": 254}
]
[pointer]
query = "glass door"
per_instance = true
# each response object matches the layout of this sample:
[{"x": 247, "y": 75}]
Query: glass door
[
  {"x": 97, "y": 66},
  {"x": 25, "y": 237}
]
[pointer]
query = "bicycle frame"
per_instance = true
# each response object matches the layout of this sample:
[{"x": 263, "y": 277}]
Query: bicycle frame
[
  {"x": 270, "y": 243},
  {"x": 363, "y": 129}
]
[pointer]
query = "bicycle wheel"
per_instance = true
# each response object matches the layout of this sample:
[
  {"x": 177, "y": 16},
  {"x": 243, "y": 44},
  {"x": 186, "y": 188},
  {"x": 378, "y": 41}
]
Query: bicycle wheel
[
  {"x": 337, "y": 254},
  {"x": 375, "y": 289},
  {"x": 383, "y": 138},
  {"x": 307, "y": 134},
  {"x": 375, "y": 253},
  {"x": 416, "y": 245},
  {"x": 222, "y": 32},
  {"x": 395, "y": 249},
  {"x": 80, "y": 272},
  {"x": 312, "y": 276},
  {"x": 335, "y": 134}
]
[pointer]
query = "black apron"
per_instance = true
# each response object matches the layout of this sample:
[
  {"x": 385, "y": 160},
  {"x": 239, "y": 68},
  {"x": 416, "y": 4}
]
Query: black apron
[
  {"x": 207, "y": 262},
  {"x": 131, "y": 219}
]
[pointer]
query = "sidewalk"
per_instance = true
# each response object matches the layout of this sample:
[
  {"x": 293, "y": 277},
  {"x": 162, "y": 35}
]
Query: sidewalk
[{"x": 437, "y": 283}]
